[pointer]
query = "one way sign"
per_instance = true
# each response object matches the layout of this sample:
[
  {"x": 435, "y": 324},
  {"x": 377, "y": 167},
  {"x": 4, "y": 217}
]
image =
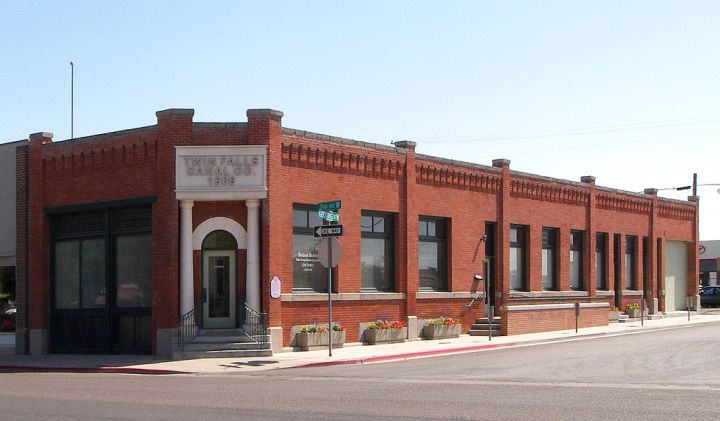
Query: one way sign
[{"x": 328, "y": 231}]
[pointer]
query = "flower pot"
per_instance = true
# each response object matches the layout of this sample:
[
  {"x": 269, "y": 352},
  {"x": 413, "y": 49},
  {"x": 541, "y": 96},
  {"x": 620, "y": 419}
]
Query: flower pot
[
  {"x": 309, "y": 341},
  {"x": 374, "y": 336},
  {"x": 441, "y": 332},
  {"x": 634, "y": 313},
  {"x": 614, "y": 316}
]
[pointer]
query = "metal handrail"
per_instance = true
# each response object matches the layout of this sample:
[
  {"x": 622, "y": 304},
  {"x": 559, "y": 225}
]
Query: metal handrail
[
  {"x": 467, "y": 306},
  {"x": 255, "y": 326},
  {"x": 188, "y": 327}
]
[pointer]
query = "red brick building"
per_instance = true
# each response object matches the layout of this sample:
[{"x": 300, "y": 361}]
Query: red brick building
[{"x": 121, "y": 234}]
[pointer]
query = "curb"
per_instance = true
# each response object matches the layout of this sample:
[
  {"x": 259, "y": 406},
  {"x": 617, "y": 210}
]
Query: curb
[{"x": 109, "y": 370}]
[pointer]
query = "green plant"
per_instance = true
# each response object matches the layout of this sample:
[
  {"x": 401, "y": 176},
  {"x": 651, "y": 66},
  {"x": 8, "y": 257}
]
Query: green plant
[
  {"x": 443, "y": 321},
  {"x": 632, "y": 306},
  {"x": 316, "y": 328},
  {"x": 384, "y": 324}
]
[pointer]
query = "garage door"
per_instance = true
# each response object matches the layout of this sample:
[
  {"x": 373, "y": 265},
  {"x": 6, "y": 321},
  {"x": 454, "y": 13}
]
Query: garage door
[{"x": 675, "y": 275}]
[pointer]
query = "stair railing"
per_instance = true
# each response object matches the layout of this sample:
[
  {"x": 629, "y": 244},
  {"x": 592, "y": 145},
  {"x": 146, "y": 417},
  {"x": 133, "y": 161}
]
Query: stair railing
[
  {"x": 188, "y": 326},
  {"x": 255, "y": 326},
  {"x": 467, "y": 306}
]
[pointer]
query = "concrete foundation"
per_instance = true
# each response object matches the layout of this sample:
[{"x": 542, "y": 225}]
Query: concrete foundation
[
  {"x": 165, "y": 339},
  {"x": 276, "y": 339},
  {"x": 38, "y": 341}
]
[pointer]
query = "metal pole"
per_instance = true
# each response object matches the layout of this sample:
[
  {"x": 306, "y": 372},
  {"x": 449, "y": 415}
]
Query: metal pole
[
  {"x": 330, "y": 325},
  {"x": 642, "y": 309},
  {"x": 489, "y": 307},
  {"x": 687, "y": 301},
  {"x": 72, "y": 99},
  {"x": 577, "y": 316},
  {"x": 695, "y": 184}
]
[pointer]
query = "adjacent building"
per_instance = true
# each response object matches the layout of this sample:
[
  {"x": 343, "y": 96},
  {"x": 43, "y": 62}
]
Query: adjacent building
[{"x": 122, "y": 236}]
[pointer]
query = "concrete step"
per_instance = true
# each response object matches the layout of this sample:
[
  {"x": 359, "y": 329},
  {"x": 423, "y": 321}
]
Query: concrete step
[
  {"x": 221, "y": 332},
  {"x": 189, "y": 355},
  {"x": 224, "y": 346},
  {"x": 483, "y": 332}
]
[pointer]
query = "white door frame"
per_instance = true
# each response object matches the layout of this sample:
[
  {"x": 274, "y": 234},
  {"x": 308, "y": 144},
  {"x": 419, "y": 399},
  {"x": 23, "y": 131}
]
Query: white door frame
[{"x": 219, "y": 322}]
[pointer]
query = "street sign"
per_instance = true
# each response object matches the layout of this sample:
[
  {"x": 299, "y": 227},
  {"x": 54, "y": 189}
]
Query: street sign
[
  {"x": 333, "y": 206},
  {"x": 328, "y": 231},
  {"x": 326, "y": 257},
  {"x": 329, "y": 216},
  {"x": 328, "y": 211}
]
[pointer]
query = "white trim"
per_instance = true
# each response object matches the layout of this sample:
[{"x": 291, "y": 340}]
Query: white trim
[
  {"x": 547, "y": 294},
  {"x": 219, "y": 223},
  {"x": 541, "y": 307},
  {"x": 344, "y": 296},
  {"x": 445, "y": 295}
]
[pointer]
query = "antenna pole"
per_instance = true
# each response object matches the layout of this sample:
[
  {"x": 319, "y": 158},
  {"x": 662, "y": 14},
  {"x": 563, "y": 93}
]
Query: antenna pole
[{"x": 72, "y": 92}]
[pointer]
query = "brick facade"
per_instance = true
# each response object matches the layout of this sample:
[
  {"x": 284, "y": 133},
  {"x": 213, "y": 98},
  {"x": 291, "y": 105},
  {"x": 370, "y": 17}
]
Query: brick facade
[{"x": 307, "y": 168}]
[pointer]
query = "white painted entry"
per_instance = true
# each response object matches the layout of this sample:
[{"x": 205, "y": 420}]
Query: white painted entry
[
  {"x": 219, "y": 298},
  {"x": 676, "y": 282}
]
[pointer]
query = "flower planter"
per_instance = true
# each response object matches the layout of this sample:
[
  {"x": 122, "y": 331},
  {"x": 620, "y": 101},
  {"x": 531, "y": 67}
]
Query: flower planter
[
  {"x": 396, "y": 335},
  {"x": 441, "y": 332},
  {"x": 634, "y": 313},
  {"x": 614, "y": 316},
  {"x": 309, "y": 341}
]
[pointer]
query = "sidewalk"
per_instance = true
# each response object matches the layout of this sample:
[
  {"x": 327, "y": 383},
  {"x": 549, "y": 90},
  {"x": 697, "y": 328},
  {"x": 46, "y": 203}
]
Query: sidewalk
[{"x": 350, "y": 354}]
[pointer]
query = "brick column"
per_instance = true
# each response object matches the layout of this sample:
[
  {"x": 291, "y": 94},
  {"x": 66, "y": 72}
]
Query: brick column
[
  {"x": 265, "y": 128},
  {"x": 589, "y": 245},
  {"x": 38, "y": 261},
  {"x": 174, "y": 128},
  {"x": 408, "y": 276},
  {"x": 21, "y": 247},
  {"x": 562, "y": 252},
  {"x": 651, "y": 276}
]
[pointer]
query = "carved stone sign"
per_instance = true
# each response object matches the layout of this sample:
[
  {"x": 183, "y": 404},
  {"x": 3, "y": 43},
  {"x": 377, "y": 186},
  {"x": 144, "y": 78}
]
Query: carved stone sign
[{"x": 221, "y": 169}]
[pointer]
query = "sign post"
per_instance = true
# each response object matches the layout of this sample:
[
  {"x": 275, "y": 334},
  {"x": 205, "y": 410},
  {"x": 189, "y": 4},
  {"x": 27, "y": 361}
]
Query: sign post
[{"x": 328, "y": 211}]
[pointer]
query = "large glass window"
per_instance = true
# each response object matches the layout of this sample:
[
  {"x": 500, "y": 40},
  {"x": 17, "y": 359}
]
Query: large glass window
[
  {"x": 600, "y": 260},
  {"x": 377, "y": 251},
  {"x": 517, "y": 257},
  {"x": 576, "y": 260},
  {"x": 102, "y": 281},
  {"x": 432, "y": 253},
  {"x": 549, "y": 265},
  {"x": 308, "y": 273},
  {"x": 630, "y": 262}
]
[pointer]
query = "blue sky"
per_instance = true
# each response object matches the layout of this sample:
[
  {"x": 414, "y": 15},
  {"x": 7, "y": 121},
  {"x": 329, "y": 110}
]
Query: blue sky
[{"x": 626, "y": 91}]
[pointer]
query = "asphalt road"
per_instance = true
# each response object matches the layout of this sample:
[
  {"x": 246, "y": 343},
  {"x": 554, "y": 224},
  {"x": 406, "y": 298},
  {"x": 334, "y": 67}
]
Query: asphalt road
[{"x": 665, "y": 375}]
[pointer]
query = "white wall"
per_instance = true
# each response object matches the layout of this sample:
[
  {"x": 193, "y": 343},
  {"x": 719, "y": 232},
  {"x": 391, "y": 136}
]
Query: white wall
[
  {"x": 676, "y": 281},
  {"x": 7, "y": 202}
]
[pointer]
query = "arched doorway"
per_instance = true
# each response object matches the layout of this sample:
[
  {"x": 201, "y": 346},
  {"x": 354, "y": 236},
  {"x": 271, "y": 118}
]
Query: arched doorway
[{"x": 219, "y": 281}]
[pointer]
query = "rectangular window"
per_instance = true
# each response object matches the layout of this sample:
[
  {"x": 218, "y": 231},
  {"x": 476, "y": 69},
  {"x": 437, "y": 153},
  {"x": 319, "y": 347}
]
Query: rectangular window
[
  {"x": 600, "y": 258},
  {"x": 630, "y": 262},
  {"x": 645, "y": 262},
  {"x": 576, "y": 260},
  {"x": 432, "y": 253},
  {"x": 308, "y": 273},
  {"x": 549, "y": 242},
  {"x": 517, "y": 257},
  {"x": 377, "y": 251},
  {"x": 80, "y": 274}
]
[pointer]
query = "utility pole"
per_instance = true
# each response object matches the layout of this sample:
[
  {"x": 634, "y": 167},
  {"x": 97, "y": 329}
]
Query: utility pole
[{"x": 72, "y": 94}]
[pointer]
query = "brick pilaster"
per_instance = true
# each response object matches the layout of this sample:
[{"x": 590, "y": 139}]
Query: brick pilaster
[
  {"x": 590, "y": 243},
  {"x": 21, "y": 247},
  {"x": 408, "y": 276},
  {"x": 502, "y": 243}
]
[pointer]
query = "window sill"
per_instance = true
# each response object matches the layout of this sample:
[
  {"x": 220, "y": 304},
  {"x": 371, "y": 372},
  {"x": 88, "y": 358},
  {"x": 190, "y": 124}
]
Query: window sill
[
  {"x": 631, "y": 293},
  {"x": 546, "y": 294},
  {"x": 541, "y": 307},
  {"x": 604, "y": 293},
  {"x": 445, "y": 295},
  {"x": 343, "y": 296}
]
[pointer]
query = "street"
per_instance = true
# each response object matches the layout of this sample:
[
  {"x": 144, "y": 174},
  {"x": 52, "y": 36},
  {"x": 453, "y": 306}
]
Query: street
[{"x": 669, "y": 374}]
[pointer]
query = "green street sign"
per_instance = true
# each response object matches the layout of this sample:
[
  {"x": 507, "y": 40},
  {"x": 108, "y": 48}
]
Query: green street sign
[
  {"x": 333, "y": 206},
  {"x": 329, "y": 216}
]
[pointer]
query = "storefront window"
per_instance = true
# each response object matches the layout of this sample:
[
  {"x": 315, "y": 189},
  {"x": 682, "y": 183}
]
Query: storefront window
[
  {"x": 134, "y": 271},
  {"x": 576, "y": 260},
  {"x": 377, "y": 251},
  {"x": 517, "y": 257},
  {"x": 549, "y": 280},
  {"x": 432, "y": 254},
  {"x": 630, "y": 262},
  {"x": 308, "y": 273}
]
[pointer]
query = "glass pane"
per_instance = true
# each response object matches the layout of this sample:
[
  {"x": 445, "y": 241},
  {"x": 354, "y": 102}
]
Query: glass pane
[
  {"x": 314, "y": 219},
  {"x": 514, "y": 234},
  {"x": 366, "y": 223},
  {"x": 516, "y": 268},
  {"x": 600, "y": 270},
  {"x": 548, "y": 269},
  {"x": 378, "y": 224},
  {"x": 422, "y": 228},
  {"x": 133, "y": 255},
  {"x": 219, "y": 240},
  {"x": 372, "y": 263},
  {"x": 299, "y": 218},
  {"x": 93, "y": 273},
  {"x": 308, "y": 273},
  {"x": 629, "y": 271},
  {"x": 219, "y": 286},
  {"x": 575, "y": 269},
  {"x": 67, "y": 274},
  {"x": 431, "y": 276}
]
